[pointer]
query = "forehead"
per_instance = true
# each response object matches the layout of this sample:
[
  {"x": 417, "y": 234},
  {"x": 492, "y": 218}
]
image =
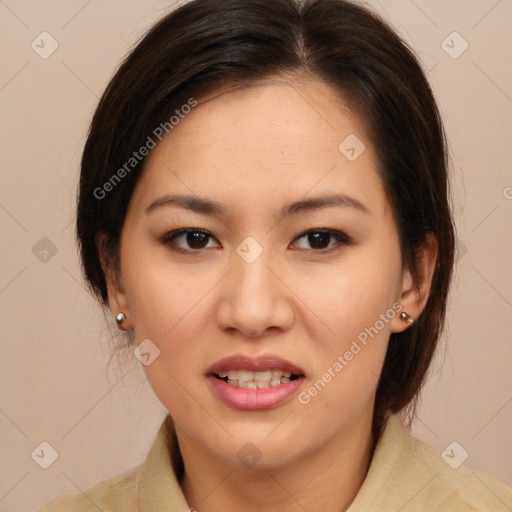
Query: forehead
[{"x": 258, "y": 143}]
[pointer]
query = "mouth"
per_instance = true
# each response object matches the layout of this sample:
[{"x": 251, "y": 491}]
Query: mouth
[
  {"x": 256, "y": 380},
  {"x": 251, "y": 383}
]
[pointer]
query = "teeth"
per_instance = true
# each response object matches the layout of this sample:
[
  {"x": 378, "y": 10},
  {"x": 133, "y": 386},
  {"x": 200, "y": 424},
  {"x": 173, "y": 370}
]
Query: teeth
[
  {"x": 245, "y": 376},
  {"x": 279, "y": 374},
  {"x": 256, "y": 380},
  {"x": 262, "y": 376}
]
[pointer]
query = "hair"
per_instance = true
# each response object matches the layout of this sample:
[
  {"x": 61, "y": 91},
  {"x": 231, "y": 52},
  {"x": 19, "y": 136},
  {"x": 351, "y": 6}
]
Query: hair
[{"x": 207, "y": 44}]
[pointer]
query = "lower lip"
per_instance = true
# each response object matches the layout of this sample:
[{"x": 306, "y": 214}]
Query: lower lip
[{"x": 254, "y": 399}]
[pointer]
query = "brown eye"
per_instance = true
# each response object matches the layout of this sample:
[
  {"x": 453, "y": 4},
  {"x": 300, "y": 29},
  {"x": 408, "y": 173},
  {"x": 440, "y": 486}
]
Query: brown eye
[
  {"x": 187, "y": 240},
  {"x": 196, "y": 239},
  {"x": 320, "y": 240}
]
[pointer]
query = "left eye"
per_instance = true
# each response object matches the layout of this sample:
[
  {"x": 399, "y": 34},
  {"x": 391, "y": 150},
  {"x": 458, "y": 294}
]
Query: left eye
[{"x": 320, "y": 239}]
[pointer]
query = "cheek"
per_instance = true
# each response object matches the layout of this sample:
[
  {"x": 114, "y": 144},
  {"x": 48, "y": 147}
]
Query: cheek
[
  {"x": 350, "y": 296},
  {"x": 169, "y": 309},
  {"x": 347, "y": 364},
  {"x": 170, "y": 306},
  {"x": 163, "y": 297},
  {"x": 355, "y": 301}
]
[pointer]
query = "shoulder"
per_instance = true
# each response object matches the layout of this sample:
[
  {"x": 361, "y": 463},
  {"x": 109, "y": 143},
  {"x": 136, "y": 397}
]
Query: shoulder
[
  {"x": 451, "y": 486},
  {"x": 408, "y": 474},
  {"x": 117, "y": 494},
  {"x": 152, "y": 485}
]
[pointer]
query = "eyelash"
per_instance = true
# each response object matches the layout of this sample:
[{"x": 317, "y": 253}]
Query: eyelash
[{"x": 169, "y": 239}]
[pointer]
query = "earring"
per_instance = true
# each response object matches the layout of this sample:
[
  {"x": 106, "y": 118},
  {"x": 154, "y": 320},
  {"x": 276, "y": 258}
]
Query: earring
[
  {"x": 120, "y": 318},
  {"x": 407, "y": 318}
]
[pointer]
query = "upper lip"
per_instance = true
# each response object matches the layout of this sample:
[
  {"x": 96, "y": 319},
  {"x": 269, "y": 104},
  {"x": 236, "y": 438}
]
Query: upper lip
[{"x": 254, "y": 364}]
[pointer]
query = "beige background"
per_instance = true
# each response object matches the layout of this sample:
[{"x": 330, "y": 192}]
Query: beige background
[{"x": 55, "y": 386}]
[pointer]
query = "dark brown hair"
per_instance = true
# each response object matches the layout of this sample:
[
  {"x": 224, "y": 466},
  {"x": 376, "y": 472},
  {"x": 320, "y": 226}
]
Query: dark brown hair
[{"x": 215, "y": 43}]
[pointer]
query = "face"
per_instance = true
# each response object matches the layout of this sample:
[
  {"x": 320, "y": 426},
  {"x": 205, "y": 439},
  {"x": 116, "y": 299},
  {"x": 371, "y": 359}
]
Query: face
[{"x": 290, "y": 264}]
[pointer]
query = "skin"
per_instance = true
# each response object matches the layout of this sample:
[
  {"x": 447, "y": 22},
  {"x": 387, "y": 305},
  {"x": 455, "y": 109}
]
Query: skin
[{"x": 254, "y": 150}]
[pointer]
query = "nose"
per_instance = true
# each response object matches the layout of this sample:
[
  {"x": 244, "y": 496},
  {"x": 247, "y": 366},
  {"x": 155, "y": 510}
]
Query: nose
[{"x": 254, "y": 299}]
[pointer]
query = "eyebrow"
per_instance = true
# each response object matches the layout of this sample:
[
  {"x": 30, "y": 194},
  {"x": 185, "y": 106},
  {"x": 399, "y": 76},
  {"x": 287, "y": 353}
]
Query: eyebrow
[{"x": 210, "y": 207}]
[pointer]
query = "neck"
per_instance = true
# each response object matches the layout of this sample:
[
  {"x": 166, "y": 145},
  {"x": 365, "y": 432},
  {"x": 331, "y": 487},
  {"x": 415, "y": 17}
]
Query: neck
[{"x": 326, "y": 479}]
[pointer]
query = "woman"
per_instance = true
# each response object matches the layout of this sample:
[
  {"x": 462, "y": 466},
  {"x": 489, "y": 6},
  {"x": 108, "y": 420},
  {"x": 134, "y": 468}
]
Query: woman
[{"x": 263, "y": 207}]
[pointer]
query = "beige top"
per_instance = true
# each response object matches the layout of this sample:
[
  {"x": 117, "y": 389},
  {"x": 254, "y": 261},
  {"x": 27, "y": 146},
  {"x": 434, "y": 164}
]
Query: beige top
[{"x": 405, "y": 475}]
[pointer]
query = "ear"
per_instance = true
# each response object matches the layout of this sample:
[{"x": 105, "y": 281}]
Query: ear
[
  {"x": 117, "y": 300},
  {"x": 413, "y": 295}
]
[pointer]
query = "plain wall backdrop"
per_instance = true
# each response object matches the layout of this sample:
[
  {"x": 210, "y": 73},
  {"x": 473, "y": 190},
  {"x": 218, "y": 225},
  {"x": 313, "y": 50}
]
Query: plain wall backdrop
[{"x": 55, "y": 382}]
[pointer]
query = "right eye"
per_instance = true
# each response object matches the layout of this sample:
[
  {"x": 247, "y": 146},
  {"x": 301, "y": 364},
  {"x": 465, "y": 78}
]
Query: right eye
[{"x": 195, "y": 239}]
